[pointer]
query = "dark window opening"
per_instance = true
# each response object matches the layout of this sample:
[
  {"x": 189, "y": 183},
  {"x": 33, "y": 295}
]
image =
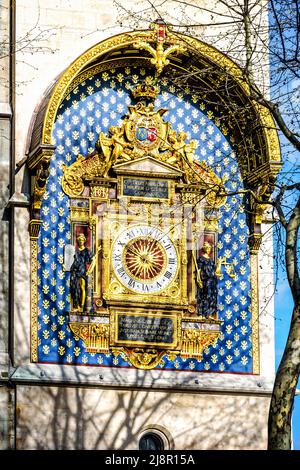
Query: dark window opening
[{"x": 151, "y": 441}]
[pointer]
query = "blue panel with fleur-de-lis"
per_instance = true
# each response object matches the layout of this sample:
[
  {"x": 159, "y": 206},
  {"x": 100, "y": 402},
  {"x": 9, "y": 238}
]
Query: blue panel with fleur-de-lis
[
  {"x": 92, "y": 107},
  {"x": 142, "y": 133}
]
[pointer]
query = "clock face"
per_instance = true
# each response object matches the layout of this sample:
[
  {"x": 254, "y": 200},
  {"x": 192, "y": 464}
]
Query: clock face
[{"x": 144, "y": 259}]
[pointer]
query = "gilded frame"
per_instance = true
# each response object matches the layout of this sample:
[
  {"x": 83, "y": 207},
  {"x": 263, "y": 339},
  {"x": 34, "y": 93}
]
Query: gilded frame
[
  {"x": 131, "y": 343},
  {"x": 145, "y": 198},
  {"x": 72, "y": 75},
  {"x": 113, "y": 290}
]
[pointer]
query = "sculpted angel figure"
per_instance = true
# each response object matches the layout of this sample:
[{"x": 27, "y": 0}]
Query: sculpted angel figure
[
  {"x": 183, "y": 153},
  {"x": 189, "y": 149},
  {"x": 113, "y": 147},
  {"x": 180, "y": 147}
]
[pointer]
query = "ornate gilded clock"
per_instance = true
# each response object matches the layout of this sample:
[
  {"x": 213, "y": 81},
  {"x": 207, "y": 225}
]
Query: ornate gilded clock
[
  {"x": 136, "y": 200},
  {"x": 144, "y": 259}
]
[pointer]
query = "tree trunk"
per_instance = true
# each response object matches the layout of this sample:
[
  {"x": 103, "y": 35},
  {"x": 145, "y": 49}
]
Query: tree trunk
[
  {"x": 284, "y": 390},
  {"x": 288, "y": 372}
]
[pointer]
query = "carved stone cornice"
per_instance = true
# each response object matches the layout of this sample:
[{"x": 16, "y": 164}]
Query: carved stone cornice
[
  {"x": 263, "y": 172},
  {"x": 43, "y": 151},
  {"x": 38, "y": 163}
]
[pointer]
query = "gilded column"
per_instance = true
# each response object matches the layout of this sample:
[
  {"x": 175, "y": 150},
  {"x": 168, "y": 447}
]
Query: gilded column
[
  {"x": 254, "y": 311},
  {"x": 34, "y": 229}
]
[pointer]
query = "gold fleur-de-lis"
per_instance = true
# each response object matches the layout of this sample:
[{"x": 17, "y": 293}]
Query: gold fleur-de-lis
[{"x": 159, "y": 55}]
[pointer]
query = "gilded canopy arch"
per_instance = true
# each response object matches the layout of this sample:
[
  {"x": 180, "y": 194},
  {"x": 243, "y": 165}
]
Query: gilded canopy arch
[
  {"x": 212, "y": 77},
  {"x": 210, "y": 74},
  {"x": 260, "y": 151}
]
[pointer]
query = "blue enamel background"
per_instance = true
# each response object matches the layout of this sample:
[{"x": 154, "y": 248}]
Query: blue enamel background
[{"x": 96, "y": 104}]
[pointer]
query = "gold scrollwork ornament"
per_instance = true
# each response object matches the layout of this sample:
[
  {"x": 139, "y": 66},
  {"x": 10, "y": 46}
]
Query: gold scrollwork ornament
[
  {"x": 115, "y": 287},
  {"x": 194, "y": 342},
  {"x": 174, "y": 290},
  {"x": 95, "y": 336},
  {"x": 144, "y": 358}
]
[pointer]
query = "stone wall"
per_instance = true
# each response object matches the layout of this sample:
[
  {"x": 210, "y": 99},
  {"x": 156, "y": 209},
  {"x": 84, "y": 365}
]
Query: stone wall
[
  {"x": 72, "y": 418},
  {"x": 6, "y": 418},
  {"x": 5, "y": 114},
  {"x": 4, "y": 235}
]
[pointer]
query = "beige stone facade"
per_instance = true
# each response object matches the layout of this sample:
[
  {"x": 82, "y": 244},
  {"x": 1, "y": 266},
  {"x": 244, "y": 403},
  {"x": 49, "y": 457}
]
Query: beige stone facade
[
  {"x": 84, "y": 418},
  {"x": 61, "y": 408}
]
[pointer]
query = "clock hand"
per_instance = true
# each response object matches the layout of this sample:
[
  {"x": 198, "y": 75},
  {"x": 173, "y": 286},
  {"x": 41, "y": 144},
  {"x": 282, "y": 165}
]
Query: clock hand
[
  {"x": 139, "y": 254},
  {"x": 152, "y": 270},
  {"x": 133, "y": 250},
  {"x": 151, "y": 245}
]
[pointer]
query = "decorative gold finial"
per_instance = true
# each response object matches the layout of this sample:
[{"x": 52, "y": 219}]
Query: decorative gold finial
[{"x": 159, "y": 55}]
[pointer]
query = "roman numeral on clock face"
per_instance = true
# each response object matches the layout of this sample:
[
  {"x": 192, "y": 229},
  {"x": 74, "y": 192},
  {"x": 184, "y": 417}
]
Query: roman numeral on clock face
[
  {"x": 168, "y": 275},
  {"x": 121, "y": 271},
  {"x": 132, "y": 233},
  {"x": 131, "y": 283}
]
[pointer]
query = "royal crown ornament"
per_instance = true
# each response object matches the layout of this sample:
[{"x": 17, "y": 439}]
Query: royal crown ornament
[{"x": 146, "y": 89}]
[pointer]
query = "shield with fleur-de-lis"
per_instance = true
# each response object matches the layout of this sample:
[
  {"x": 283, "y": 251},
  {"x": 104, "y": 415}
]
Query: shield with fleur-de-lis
[
  {"x": 145, "y": 128},
  {"x": 141, "y": 133},
  {"x": 144, "y": 133}
]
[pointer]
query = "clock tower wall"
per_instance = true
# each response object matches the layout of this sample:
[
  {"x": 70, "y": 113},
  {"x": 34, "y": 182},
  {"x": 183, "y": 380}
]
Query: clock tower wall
[{"x": 148, "y": 281}]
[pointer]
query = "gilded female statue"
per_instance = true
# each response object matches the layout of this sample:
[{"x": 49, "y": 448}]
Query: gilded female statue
[
  {"x": 83, "y": 265},
  {"x": 207, "y": 289}
]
